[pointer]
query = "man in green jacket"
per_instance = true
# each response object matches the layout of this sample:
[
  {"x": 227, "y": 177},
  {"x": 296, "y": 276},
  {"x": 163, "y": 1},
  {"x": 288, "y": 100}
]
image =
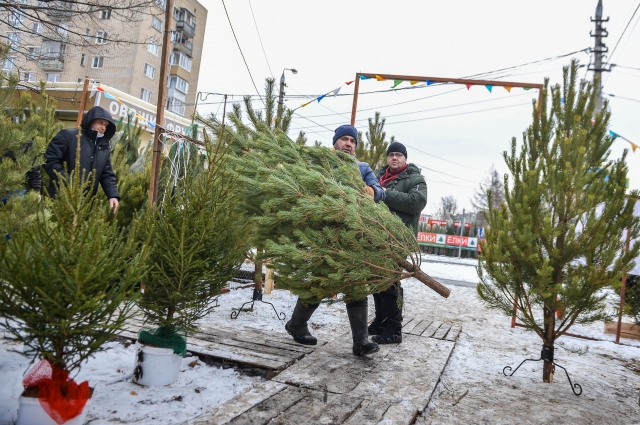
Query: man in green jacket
[{"x": 406, "y": 196}]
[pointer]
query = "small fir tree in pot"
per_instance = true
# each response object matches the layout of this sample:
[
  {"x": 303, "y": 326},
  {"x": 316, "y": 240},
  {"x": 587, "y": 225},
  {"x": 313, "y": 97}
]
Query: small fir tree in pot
[
  {"x": 554, "y": 243},
  {"x": 67, "y": 281},
  {"x": 197, "y": 244}
]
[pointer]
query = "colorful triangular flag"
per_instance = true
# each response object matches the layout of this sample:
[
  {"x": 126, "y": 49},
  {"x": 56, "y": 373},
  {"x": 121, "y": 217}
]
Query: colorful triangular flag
[
  {"x": 633, "y": 146},
  {"x": 336, "y": 91},
  {"x": 413, "y": 83},
  {"x": 468, "y": 86},
  {"x": 612, "y": 134},
  {"x": 108, "y": 96},
  {"x": 526, "y": 88},
  {"x": 364, "y": 77},
  {"x": 321, "y": 97},
  {"x": 507, "y": 88},
  {"x": 396, "y": 83},
  {"x": 489, "y": 87},
  {"x": 305, "y": 104},
  {"x": 379, "y": 78},
  {"x": 429, "y": 82},
  {"x": 349, "y": 82}
]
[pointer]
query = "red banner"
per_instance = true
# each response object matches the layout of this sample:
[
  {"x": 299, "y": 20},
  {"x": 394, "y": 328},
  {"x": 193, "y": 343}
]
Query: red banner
[{"x": 442, "y": 223}]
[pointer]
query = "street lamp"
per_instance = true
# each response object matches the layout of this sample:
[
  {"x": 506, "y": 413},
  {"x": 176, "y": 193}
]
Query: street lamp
[{"x": 281, "y": 97}]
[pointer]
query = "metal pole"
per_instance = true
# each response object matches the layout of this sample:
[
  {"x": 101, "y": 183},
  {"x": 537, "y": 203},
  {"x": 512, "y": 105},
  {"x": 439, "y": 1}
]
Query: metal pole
[
  {"x": 83, "y": 100},
  {"x": 280, "y": 101},
  {"x": 461, "y": 228},
  {"x": 162, "y": 94},
  {"x": 355, "y": 100},
  {"x": 623, "y": 290}
]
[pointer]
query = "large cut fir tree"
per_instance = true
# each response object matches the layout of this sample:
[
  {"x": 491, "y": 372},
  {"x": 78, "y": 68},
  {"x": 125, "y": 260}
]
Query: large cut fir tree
[{"x": 558, "y": 239}]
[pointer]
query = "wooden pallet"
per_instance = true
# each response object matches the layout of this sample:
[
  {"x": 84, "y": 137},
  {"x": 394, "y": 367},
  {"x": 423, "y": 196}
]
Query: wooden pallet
[
  {"x": 333, "y": 386},
  {"x": 270, "y": 351},
  {"x": 431, "y": 328}
]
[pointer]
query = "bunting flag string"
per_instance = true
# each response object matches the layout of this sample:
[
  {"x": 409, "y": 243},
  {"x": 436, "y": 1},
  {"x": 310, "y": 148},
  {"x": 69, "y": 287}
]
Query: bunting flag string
[
  {"x": 396, "y": 83},
  {"x": 615, "y": 135}
]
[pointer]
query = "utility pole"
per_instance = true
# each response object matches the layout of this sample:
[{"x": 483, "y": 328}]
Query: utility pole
[
  {"x": 599, "y": 50},
  {"x": 162, "y": 95}
]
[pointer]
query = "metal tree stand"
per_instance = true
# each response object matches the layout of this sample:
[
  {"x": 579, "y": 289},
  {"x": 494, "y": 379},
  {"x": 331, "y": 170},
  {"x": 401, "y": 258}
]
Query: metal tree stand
[
  {"x": 546, "y": 354},
  {"x": 257, "y": 296}
]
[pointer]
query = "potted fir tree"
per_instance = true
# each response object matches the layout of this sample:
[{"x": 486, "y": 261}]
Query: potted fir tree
[
  {"x": 198, "y": 241},
  {"x": 66, "y": 287}
]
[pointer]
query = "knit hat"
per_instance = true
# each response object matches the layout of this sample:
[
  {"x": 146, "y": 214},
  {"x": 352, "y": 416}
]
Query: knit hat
[
  {"x": 397, "y": 147},
  {"x": 345, "y": 130}
]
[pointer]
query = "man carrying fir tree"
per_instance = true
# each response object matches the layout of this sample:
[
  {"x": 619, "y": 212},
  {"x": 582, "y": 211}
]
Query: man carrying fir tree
[
  {"x": 406, "y": 196},
  {"x": 345, "y": 139}
]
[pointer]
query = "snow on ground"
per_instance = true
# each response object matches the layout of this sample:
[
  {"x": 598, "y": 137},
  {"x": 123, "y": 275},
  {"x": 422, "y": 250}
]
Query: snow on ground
[{"x": 473, "y": 388}]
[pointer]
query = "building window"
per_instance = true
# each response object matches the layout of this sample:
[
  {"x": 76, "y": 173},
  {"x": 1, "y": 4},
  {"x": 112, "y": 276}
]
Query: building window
[
  {"x": 101, "y": 37},
  {"x": 105, "y": 14},
  {"x": 16, "y": 19},
  {"x": 145, "y": 95},
  {"x": 178, "y": 83},
  {"x": 97, "y": 61},
  {"x": 156, "y": 24},
  {"x": 53, "y": 78},
  {"x": 153, "y": 47},
  {"x": 29, "y": 77},
  {"x": 180, "y": 60},
  {"x": 83, "y": 59},
  {"x": 33, "y": 53},
  {"x": 176, "y": 105},
  {"x": 161, "y": 3},
  {"x": 149, "y": 71},
  {"x": 37, "y": 28},
  {"x": 9, "y": 64},
  {"x": 14, "y": 40},
  {"x": 177, "y": 14},
  {"x": 87, "y": 35},
  {"x": 52, "y": 50},
  {"x": 62, "y": 29}
]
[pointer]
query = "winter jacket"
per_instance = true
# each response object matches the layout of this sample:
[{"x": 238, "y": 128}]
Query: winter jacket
[
  {"x": 33, "y": 178},
  {"x": 406, "y": 195},
  {"x": 369, "y": 178},
  {"x": 94, "y": 153}
]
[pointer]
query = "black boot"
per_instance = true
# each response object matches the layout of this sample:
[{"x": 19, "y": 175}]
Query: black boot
[
  {"x": 357, "y": 312},
  {"x": 297, "y": 326},
  {"x": 375, "y": 328},
  {"x": 391, "y": 333}
]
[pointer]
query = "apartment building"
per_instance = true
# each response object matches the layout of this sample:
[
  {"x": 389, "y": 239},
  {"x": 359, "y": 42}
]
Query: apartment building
[{"x": 121, "y": 49}]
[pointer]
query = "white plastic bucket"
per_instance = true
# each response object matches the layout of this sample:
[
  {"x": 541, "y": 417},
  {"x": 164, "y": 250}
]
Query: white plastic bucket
[
  {"x": 156, "y": 366},
  {"x": 31, "y": 412}
]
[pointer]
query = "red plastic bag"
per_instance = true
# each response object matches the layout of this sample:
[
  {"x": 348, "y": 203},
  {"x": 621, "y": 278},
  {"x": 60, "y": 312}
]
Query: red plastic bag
[{"x": 62, "y": 398}]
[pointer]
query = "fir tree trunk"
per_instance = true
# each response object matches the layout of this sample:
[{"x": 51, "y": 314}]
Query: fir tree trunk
[
  {"x": 549, "y": 330},
  {"x": 257, "y": 274},
  {"x": 425, "y": 278}
]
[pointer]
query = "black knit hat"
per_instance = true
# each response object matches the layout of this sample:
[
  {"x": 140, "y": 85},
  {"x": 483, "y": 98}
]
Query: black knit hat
[
  {"x": 397, "y": 147},
  {"x": 345, "y": 130}
]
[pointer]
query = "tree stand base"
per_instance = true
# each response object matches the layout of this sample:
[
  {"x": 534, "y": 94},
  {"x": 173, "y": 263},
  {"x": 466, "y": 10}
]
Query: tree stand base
[
  {"x": 547, "y": 354},
  {"x": 257, "y": 296}
]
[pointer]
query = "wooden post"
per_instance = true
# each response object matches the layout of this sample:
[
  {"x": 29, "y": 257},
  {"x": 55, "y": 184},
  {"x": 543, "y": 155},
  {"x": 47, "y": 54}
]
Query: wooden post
[
  {"x": 515, "y": 309},
  {"x": 268, "y": 281},
  {"x": 355, "y": 100},
  {"x": 623, "y": 290},
  {"x": 162, "y": 95},
  {"x": 83, "y": 100}
]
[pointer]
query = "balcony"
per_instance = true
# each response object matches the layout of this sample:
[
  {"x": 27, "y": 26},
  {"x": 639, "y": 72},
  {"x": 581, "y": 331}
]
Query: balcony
[
  {"x": 186, "y": 48},
  {"x": 187, "y": 29},
  {"x": 51, "y": 62},
  {"x": 59, "y": 9},
  {"x": 55, "y": 36}
]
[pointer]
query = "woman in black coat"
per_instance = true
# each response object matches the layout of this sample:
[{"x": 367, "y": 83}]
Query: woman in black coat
[{"x": 60, "y": 158}]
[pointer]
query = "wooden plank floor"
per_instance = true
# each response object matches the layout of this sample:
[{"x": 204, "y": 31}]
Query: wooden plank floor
[
  {"x": 271, "y": 351},
  {"x": 332, "y": 386}
]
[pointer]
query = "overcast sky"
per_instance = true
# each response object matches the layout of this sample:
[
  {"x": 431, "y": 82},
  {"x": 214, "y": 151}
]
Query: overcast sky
[{"x": 454, "y": 134}]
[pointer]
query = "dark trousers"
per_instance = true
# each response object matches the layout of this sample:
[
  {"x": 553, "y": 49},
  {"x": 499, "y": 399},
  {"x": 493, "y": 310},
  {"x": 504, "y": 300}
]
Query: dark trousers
[{"x": 386, "y": 303}]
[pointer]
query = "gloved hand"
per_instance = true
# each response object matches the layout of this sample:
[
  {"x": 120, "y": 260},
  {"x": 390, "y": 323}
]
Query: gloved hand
[{"x": 369, "y": 190}]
